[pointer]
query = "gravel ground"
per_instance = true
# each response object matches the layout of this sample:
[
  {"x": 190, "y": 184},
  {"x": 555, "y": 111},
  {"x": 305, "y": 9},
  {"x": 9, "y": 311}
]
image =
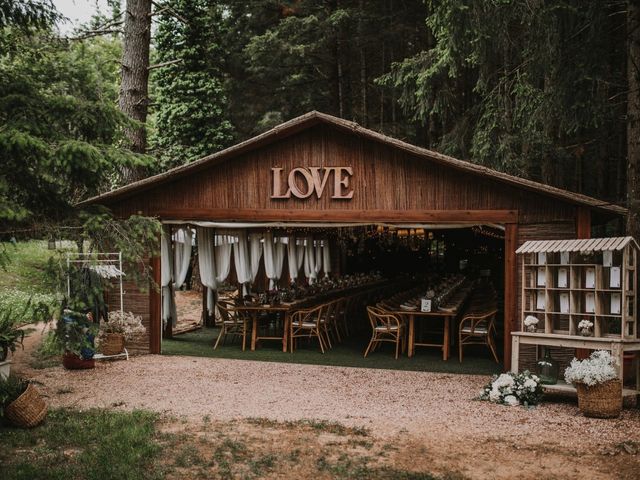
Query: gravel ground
[
  {"x": 387, "y": 402},
  {"x": 431, "y": 419}
]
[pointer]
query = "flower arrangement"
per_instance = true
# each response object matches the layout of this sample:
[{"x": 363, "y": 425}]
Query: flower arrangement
[
  {"x": 585, "y": 327},
  {"x": 125, "y": 323},
  {"x": 599, "y": 368},
  {"x": 531, "y": 323},
  {"x": 513, "y": 389}
]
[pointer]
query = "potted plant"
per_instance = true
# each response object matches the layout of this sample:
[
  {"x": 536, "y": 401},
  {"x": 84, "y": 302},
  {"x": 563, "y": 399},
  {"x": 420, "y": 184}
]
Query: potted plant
[
  {"x": 75, "y": 333},
  {"x": 21, "y": 403},
  {"x": 10, "y": 337},
  {"x": 531, "y": 323},
  {"x": 599, "y": 388},
  {"x": 117, "y": 330},
  {"x": 585, "y": 327}
]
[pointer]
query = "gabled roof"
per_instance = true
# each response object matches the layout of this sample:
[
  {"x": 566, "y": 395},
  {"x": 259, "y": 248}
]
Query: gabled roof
[
  {"x": 314, "y": 118},
  {"x": 577, "y": 245}
]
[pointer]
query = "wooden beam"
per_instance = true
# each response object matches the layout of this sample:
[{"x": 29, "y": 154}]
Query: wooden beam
[
  {"x": 338, "y": 215},
  {"x": 155, "y": 322},
  {"x": 510, "y": 288}
]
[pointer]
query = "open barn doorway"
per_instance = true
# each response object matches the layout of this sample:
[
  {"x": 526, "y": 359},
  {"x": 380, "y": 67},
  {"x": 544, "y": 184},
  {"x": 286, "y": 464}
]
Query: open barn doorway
[{"x": 400, "y": 257}]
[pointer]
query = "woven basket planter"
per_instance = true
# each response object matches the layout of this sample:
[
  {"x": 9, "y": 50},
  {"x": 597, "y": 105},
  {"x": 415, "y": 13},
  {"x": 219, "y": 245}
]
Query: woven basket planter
[
  {"x": 600, "y": 401},
  {"x": 112, "y": 343},
  {"x": 28, "y": 410},
  {"x": 71, "y": 361}
]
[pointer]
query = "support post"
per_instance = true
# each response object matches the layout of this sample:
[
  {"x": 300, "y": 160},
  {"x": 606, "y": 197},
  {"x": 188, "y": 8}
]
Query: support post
[
  {"x": 510, "y": 288},
  {"x": 515, "y": 354},
  {"x": 155, "y": 307}
]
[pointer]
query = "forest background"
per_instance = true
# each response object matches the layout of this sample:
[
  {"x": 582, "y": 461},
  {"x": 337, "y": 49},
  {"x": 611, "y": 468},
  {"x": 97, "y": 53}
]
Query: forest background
[{"x": 547, "y": 90}]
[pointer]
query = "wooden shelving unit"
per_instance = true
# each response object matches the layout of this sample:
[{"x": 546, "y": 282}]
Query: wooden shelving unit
[{"x": 566, "y": 281}]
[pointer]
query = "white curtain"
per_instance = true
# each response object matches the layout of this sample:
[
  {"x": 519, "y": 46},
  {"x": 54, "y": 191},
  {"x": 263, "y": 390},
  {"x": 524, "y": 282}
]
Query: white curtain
[
  {"x": 279, "y": 259},
  {"x": 182, "y": 255},
  {"x": 292, "y": 258},
  {"x": 273, "y": 259},
  {"x": 241, "y": 260},
  {"x": 318, "y": 266},
  {"x": 300, "y": 248},
  {"x": 326, "y": 257},
  {"x": 255, "y": 253},
  {"x": 309, "y": 261},
  {"x": 206, "y": 262},
  {"x": 166, "y": 277},
  {"x": 222, "y": 254}
]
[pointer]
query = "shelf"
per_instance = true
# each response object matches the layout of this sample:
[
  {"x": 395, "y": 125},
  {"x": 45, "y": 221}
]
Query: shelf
[{"x": 563, "y": 387}]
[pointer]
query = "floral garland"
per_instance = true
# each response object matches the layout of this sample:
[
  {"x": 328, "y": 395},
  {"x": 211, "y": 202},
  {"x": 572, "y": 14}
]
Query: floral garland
[{"x": 513, "y": 389}]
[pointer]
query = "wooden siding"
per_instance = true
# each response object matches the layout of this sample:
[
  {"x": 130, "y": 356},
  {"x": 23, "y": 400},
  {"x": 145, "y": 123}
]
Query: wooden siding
[
  {"x": 137, "y": 301},
  {"x": 384, "y": 179}
]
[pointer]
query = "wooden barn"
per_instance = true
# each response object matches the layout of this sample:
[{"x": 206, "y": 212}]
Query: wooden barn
[{"x": 318, "y": 171}]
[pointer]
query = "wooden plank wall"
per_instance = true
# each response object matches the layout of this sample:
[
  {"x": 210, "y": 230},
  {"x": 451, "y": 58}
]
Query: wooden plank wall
[
  {"x": 137, "y": 301},
  {"x": 384, "y": 179}
]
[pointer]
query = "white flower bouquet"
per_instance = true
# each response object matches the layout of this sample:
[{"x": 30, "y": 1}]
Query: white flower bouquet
[
  {"x": 531, "y": 323},
  {"x": 585, "y": 327},
  {"x": 599, "y": 368},
  {"x": 513, "y": 389}
]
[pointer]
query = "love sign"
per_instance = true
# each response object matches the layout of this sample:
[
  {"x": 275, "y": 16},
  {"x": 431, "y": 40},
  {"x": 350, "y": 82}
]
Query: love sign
[{"x": 302, "y": 182}]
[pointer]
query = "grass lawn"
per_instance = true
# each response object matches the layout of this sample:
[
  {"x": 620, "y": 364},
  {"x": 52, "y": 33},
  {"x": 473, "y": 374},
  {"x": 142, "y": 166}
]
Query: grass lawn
[
  {"x": 24, "y": 278},
  {"x": 95, "y": 444},
  {"x": 25, "y": 271},
  {"x": 139, "y": 445},
  {"x": 350, "y": 354}
]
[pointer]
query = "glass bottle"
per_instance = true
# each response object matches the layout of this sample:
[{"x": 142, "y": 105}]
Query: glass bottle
[{"x": 547, "y": 368}]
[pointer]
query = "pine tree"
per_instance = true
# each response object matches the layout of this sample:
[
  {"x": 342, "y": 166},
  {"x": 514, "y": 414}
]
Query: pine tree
[
  {"x": 61, "y": 127},
  {"x": 191, "y": 118}
]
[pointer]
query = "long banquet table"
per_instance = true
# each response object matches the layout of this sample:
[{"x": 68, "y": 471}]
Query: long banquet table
[
  {"x": 287, "y": 308},
  {"x": 454, "y": 307}
]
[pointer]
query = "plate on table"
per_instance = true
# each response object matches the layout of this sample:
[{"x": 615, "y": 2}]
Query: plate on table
[
  {"x": 447, "y": 309},
  {"x": 408, "y": 308}
]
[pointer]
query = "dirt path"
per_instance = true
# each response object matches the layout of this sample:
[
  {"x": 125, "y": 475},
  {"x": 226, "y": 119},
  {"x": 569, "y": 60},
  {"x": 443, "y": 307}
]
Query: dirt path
[{"x": 432, "y": 420}]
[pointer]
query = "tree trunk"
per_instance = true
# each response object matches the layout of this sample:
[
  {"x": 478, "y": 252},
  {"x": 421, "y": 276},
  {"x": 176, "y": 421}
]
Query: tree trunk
[
  {"x": 633, "y": 119},
  {"x": 339, "y": 70},
  {"x": 134, "y": 100},
  {"x": 363, "y": 67}
]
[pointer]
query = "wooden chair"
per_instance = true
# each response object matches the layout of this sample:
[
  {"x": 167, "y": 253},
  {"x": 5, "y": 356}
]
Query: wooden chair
[
  {"x": 478, "y": 328},
  {"x": 385, "y": 328},
  {"x": 307, "y": 323},
  {"x": 234, "y": 323}
]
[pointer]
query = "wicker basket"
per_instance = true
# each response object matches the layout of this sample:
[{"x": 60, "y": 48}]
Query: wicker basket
[
  {"x": 112, "y": 343},
  {"x": 28, "y": 410},
  {"x": 600, "y": 401}
]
